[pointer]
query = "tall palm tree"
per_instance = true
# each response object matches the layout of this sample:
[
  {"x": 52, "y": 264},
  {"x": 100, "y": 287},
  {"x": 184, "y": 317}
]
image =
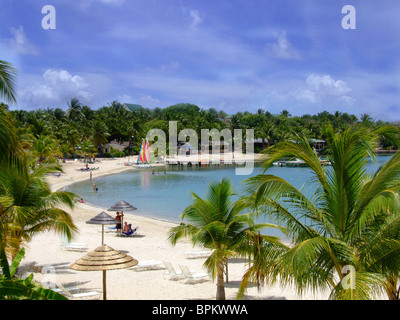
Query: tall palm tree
[
  {"x": 351, "y": 222},
  {"x": 216, "y": 223},
  {"x": 74, "y": 111},
  {"x": 8, "y": 138},
  {"x": 9, "y": 142},
  {"x": 27, "y": 205}
]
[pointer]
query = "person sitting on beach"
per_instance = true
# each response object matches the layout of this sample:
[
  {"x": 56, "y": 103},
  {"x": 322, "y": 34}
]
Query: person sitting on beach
[
  {"x": 81, "y": 201},
  {"x": 130, "y": 231},
  {"x": 127, "y": 227}
]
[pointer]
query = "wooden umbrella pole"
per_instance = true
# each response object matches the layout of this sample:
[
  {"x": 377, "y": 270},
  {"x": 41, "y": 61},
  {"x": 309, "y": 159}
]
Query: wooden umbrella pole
[
  {"x": 104, "y": 286},
  {"x": 102, "y": 234}
]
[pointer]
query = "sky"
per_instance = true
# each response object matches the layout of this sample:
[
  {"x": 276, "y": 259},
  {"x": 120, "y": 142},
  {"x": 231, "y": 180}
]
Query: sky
[{"x": 231, "y": 55}]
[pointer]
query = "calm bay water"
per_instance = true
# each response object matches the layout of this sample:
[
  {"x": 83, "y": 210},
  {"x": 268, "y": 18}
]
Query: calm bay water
[{"x": 165, "y": 196}]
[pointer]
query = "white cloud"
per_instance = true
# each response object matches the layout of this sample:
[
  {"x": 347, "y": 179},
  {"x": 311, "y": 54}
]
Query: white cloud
[
  {"x": 147, "y": 101},
  {"x": 20, "y": 43},
  {"x": 125, "y": 98},
  {"x": 196, "y": 18},
  {"x": 54, "y": 88},
  {"x": 326, "y": 82},
  {"x": 324, "y": 89},
  {"x": 282, "y": 48}
]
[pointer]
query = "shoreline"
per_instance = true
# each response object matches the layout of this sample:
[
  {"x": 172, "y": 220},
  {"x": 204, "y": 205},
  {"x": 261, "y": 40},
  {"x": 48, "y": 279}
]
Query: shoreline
[{"x": 151, "y": 243}]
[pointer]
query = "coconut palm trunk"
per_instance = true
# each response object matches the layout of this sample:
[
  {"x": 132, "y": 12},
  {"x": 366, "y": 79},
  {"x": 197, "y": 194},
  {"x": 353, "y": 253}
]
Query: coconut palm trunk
[{"x": 220, "y": 285}]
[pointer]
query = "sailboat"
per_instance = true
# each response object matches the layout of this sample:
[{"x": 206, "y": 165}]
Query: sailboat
[{"x": 144, "y": 155}]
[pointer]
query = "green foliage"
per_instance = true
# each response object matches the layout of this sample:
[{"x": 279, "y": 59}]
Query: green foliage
[
  {"x": 217, "y": 223},
  {"x": 351, "y": 220},
  {"x": 115, "y": 122},
  {"x": 13, "y": 288},
  {"x": 7, "y": 81}
]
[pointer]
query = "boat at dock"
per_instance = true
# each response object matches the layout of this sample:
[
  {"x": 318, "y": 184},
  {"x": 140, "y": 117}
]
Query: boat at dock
[{"x": 298, "y": 163}]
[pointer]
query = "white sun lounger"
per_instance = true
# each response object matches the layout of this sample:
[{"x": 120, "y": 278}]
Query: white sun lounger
[
  {"x": 71, "y": 292},
  {"x": 193, "y": 277},
  {"x": 73, "y": 246},
  {"x": 198, "y": 254},
  {"x": 171, "y": 272},
  {"x": 56, "y": 287},
  {"x": 79, "y": 295},
  {"x": 149, "y": 265}
]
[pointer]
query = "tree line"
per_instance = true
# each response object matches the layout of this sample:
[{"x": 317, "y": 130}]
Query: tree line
[{"x": 81, "y": 128}]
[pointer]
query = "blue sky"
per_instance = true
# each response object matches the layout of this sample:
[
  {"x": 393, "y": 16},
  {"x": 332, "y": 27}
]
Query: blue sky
[{"x": 232, "y": 55}]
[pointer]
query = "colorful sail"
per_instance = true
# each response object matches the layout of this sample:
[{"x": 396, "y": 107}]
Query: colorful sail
[
  {"x": 144, "y": 153},
  {"x": 140, "y": 158}
]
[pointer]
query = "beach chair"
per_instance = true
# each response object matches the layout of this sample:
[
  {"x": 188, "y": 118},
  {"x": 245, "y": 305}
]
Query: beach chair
[
  {"x": 131, "y": 233},
  {"x": 56, "y": 287},
  {"x": 193, "y": 277},
  {"x": 171, "y": 272},
  {"x": 79, "y": 295},
  {"x": 198, "y": 254},
  {"x": 72, "y": 246},
  {"x": 148, "y": 265},
  {"x": 108, "y": 229}
]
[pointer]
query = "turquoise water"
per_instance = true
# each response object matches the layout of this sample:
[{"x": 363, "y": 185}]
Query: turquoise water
[{"x": 165, "y": 196}]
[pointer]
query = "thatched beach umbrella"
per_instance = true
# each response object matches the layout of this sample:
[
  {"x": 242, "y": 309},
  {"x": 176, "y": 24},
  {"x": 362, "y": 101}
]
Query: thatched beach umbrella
[
  {"x": 102, "y": 259},
  {"x": 122, "y": 206},
  {"x": 102, "y": 219}
]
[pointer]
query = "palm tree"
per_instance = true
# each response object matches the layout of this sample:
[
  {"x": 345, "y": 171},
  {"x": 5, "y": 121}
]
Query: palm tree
[
  {"x": 100, "y": 133},
  {"x": 9, "y": 143},
  {"x": 64, "y": 149},
  {"x": 30, "y": 207},
  {"x": 8, "y": 139},
  {"x": 44, "y": 147},
  {"x": 27, "y": 204},
  {"x": 87, "y": 148},
  {"x": 217, "y": 223},
  {"x": 7, "y": 81},
  {"x": 69, "y": 136},
  {"x": 350, "y": 223},
  {"x": 74, "y": 111}
]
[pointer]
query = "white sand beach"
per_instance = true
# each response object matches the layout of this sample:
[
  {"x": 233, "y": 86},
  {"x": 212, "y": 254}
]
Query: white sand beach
[{"x": 150, "y": 244}]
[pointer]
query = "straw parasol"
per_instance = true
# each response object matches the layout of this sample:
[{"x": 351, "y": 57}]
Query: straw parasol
[
  {"x": 102, "y": 259},
  {"x": 122, "y": 206},
  {"x": 103, "y": 219}
]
